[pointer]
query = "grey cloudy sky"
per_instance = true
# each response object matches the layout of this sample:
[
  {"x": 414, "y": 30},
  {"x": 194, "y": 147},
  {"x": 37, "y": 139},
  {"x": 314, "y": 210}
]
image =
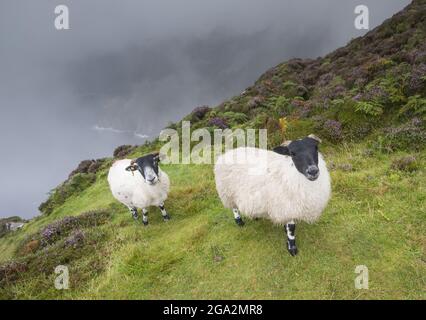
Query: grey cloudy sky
[{"x": 126, "y": 68}]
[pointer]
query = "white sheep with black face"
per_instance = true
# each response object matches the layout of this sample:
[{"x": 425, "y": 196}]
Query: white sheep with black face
[
  {"x": 140, "y": 183},
  {"x": 287, "y": 184}
]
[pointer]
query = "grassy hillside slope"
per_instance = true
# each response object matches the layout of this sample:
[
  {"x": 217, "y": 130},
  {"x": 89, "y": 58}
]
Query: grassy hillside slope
[{"x": 367, "y": 100}]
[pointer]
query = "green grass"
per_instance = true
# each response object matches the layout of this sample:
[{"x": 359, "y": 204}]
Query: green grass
[{"x": 376, "y": 218}]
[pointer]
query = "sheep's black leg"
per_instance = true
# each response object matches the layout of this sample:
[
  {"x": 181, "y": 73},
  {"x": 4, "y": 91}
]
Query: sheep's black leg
[
  {"x": 237, "y": 217},
  {"x": 134, "y": 212},
  {"x": 164, "y": 213},
  {"x": 145, "y": 217},
  {"x": 290, "y": 229}
]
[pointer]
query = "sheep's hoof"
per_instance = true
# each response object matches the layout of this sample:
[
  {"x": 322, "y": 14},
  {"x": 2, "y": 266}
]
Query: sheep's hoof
[
  {"x": 166, "y": 217},
  {"x": 239, "y": 221},
  {"x": 145, "y": 223},
  {"x": 135, "y": 217},
  {"x": 292, "y": 250}
]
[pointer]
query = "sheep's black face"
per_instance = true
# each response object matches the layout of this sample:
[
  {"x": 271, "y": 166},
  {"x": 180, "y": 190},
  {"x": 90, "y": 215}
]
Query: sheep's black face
[
  {"x": 148, "y": 167},
  {"x": 304, "y": 154}
]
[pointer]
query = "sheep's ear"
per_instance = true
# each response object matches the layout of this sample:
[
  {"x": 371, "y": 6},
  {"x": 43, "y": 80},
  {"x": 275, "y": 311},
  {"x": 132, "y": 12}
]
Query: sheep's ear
[
  {"x": 282, "y": 150},
  {"x": 312, "y": 136}
]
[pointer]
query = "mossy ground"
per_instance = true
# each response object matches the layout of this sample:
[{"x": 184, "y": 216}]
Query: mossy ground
[{"x": 376, "y": 218}]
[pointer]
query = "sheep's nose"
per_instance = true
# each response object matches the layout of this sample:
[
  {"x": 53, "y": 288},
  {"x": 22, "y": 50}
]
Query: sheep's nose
[
  {"x": 312, "y": 170},
  {"x": 151, "y": 179}
]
